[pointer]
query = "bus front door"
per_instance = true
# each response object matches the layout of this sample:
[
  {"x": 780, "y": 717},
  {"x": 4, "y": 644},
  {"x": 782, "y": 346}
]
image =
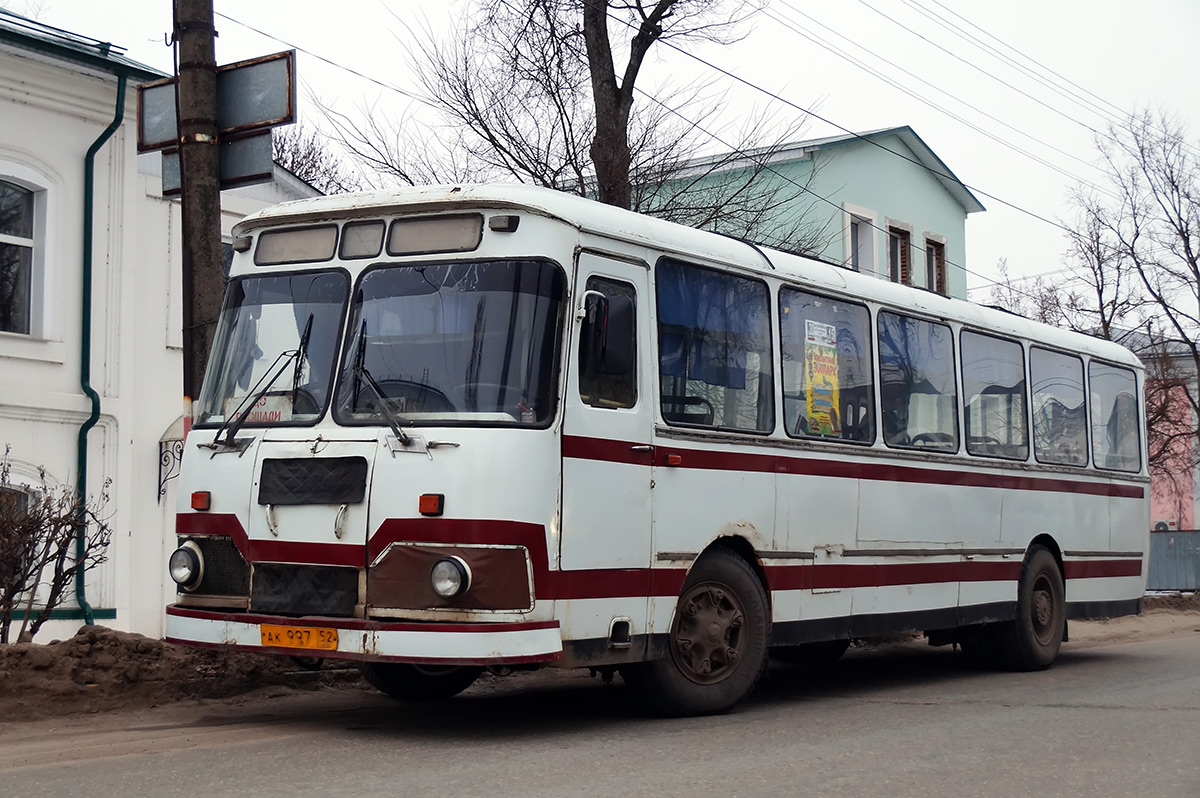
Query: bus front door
[{"x": 607, "y": 454}]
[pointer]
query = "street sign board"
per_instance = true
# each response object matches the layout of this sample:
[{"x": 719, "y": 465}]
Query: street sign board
[
  {"x": 244, "y": 160},
  {"x": 251, "y": 95}
]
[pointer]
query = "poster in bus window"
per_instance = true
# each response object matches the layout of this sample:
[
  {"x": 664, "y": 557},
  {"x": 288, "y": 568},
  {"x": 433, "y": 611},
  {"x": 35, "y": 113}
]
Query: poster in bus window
[{"x": 821, "y": 378}]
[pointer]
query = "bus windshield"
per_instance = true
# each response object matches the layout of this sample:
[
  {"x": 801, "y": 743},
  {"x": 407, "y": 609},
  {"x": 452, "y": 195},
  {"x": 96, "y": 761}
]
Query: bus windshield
[
  {"x": 456, "y": 343},
  {"x": 257, "y": 349}
]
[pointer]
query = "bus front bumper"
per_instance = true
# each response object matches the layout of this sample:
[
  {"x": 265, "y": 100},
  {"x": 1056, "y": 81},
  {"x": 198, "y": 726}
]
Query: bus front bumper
[{"x": 373, "y": 641}]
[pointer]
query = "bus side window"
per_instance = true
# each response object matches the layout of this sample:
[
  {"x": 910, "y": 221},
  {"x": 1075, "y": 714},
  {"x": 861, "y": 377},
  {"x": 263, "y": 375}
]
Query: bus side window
[
  {"x": 1115, "y": 440},
  {"x": 608, "y": 348},
  {"x": 828, "y": 380},
  {"x": 1059, "y": 426},
  {"x": 916, "y": 382},
  {"x": 993, "y": 374},
  {"x": 714, "y": 341}
]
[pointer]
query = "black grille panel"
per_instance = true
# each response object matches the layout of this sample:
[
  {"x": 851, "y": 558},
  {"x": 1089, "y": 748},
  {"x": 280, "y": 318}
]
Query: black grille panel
[
  {"x": 284, "y": 589},
  {"x": 225, "y": 572},
  {"x": 318, "y": 480}
]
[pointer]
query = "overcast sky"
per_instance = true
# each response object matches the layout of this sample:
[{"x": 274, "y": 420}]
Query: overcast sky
[{"x": 1016, "y": 137}]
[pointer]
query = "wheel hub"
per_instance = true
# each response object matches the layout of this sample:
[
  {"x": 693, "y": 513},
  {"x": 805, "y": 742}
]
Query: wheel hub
[{"x": 707, "y": 640}]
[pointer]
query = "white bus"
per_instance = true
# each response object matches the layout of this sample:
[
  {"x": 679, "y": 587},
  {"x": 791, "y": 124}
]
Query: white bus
[{"x": 452, "y": 428}]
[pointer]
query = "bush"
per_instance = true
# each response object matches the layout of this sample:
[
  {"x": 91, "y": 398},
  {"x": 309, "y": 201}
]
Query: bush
[{"x": 39, "y": 527}]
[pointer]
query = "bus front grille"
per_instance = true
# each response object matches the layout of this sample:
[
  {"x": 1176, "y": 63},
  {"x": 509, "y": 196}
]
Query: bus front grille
[
  {"x": 226, "y": 573},
  {"x": 287, "y": 589}
]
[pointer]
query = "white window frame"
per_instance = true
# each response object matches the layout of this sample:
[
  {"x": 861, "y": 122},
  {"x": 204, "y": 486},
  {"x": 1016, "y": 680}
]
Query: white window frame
[
  {"x": 867, "y": 222},
  {"x": 37, "y": 344},
  {"x": 940, "y": 240},
  {"x": 888, "y": 224}
]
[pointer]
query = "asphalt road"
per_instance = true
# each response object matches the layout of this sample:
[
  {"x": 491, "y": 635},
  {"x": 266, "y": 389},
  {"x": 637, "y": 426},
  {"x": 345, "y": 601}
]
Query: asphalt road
[{"x": 1109, "y": 720}]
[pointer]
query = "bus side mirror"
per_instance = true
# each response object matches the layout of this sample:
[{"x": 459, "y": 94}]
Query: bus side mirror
[
  {"x": 606, "y": 342},
  {"x": 619, "y": 346}
]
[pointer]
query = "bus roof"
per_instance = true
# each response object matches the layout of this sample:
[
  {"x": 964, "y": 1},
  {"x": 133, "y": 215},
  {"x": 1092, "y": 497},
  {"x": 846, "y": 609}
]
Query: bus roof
[{"x": 608, "y": 221}]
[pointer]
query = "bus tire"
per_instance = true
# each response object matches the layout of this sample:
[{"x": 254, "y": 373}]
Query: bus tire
[
  {"x": 419, "y": 682},
  {"x": 717, "y": 646},
  {"x": 1031, "y": 641}
]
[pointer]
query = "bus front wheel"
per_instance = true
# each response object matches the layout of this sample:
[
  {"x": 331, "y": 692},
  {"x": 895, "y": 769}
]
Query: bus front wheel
[
  {"x": 717, "y": 648},
  {"x": 419, "y": 682},
  {"x": 1031, "y": 641}
]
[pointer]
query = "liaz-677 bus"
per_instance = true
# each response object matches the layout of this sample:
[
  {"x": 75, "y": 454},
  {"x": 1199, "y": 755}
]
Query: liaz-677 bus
[{"x": 454, "y": 428}]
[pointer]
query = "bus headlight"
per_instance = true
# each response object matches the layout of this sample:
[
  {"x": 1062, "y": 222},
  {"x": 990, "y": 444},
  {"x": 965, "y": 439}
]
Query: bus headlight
[
  {"x": 187, "y": 566},
  {"x": 450, "y": 577}
]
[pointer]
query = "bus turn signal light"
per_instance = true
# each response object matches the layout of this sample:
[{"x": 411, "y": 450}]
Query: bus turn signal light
[
  {"x": 201, "y": 500},
  {"x": 674, "y": 460},
  {"x": 431, "y": 503}
]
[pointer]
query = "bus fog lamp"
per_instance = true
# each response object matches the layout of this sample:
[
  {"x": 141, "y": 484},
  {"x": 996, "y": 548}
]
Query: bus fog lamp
[
  {"x": 450, "y": 577},
  {"x": 187, "y": 566}
]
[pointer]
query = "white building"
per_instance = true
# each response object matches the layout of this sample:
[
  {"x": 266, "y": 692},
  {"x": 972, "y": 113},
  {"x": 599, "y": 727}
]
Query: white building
[{"x": 58, "y": 102}]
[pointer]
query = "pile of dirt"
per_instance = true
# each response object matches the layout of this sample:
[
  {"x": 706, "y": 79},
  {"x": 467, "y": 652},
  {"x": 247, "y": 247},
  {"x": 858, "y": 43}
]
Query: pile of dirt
[
  {"x": 101, "y": 669},
  {"x": 1178, "y": 602}
]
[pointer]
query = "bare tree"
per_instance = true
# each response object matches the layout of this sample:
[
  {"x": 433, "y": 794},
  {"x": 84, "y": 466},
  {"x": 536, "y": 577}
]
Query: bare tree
[
  {"x": 40, "y": 527},
  {"x": 536, "y": 91},
  {"x": 309, "y": 156},
  {"x": 1133, "y": 275}
]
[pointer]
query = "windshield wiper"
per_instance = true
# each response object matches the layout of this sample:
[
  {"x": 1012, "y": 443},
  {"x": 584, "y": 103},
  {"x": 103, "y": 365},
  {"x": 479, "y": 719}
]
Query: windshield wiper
[
  {"x": 361, "y": 373},
  {"x": 299, "y": 354},
  {"x": 301, "y": 357}
]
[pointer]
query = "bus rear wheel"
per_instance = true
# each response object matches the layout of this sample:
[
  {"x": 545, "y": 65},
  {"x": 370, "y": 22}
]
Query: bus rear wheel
[
  {"x": 1031, "y": 641},
  {"x": 420, "y": 682},
  {"x": 717, "y": 648}
]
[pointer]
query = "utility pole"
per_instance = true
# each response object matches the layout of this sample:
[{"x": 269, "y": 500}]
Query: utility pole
[{"x": 199, "y": 168}]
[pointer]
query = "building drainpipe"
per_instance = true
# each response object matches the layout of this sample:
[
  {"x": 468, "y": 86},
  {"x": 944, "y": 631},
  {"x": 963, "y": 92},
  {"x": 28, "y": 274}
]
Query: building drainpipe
[{"x": 85, "y": 365}]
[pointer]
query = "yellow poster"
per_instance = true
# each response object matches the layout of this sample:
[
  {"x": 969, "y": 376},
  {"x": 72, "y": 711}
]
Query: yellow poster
[{"x": 821, "y": 378}]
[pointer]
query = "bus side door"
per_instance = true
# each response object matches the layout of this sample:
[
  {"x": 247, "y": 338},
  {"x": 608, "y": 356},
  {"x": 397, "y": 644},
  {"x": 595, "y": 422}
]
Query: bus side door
[{"x": 607, "y": 455}]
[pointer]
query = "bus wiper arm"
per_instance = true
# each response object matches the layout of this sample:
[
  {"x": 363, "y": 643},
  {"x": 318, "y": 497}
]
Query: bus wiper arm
[
  {"x": 231, "y": 425},
  {"x": 301, "y": 356},
  {"x": 363, "y": 374}
]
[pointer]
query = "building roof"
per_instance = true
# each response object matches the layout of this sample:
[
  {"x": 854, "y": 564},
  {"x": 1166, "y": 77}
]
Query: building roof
[
  {"x": 28, "y": 34},
  {"x": 925, "y": 157}
]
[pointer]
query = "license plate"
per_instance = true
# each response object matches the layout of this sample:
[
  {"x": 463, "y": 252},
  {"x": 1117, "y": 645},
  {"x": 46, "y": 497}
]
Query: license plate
[{"x": 313, "y": 637}]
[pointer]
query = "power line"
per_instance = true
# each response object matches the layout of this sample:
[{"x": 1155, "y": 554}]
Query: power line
[
  {"x": 325, "y": 60},
  {"x": 711, "y": 135},
  {"x": 814, "y": 38},
  {"x": 831, "y": 123},
  {"x": 1119, "y": 117}
]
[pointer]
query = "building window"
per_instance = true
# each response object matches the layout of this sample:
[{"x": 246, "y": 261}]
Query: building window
[
  {"x": 935, "y": 267},
  {"x": 14, "y": 509},
  {"x": 898, "y": 257},
  {"x": 16, "y": 257},
  {"x": 862, "y": 248}
]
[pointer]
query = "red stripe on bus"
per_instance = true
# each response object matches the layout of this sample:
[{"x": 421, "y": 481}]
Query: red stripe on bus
[
  {"x": 607, "y": 450},
  {"x": 599, "y": 583},
  {"x": 1095, "y": 569},
  {"x": 712, "y": 460},
  {"x": 256, "y": 550}
]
